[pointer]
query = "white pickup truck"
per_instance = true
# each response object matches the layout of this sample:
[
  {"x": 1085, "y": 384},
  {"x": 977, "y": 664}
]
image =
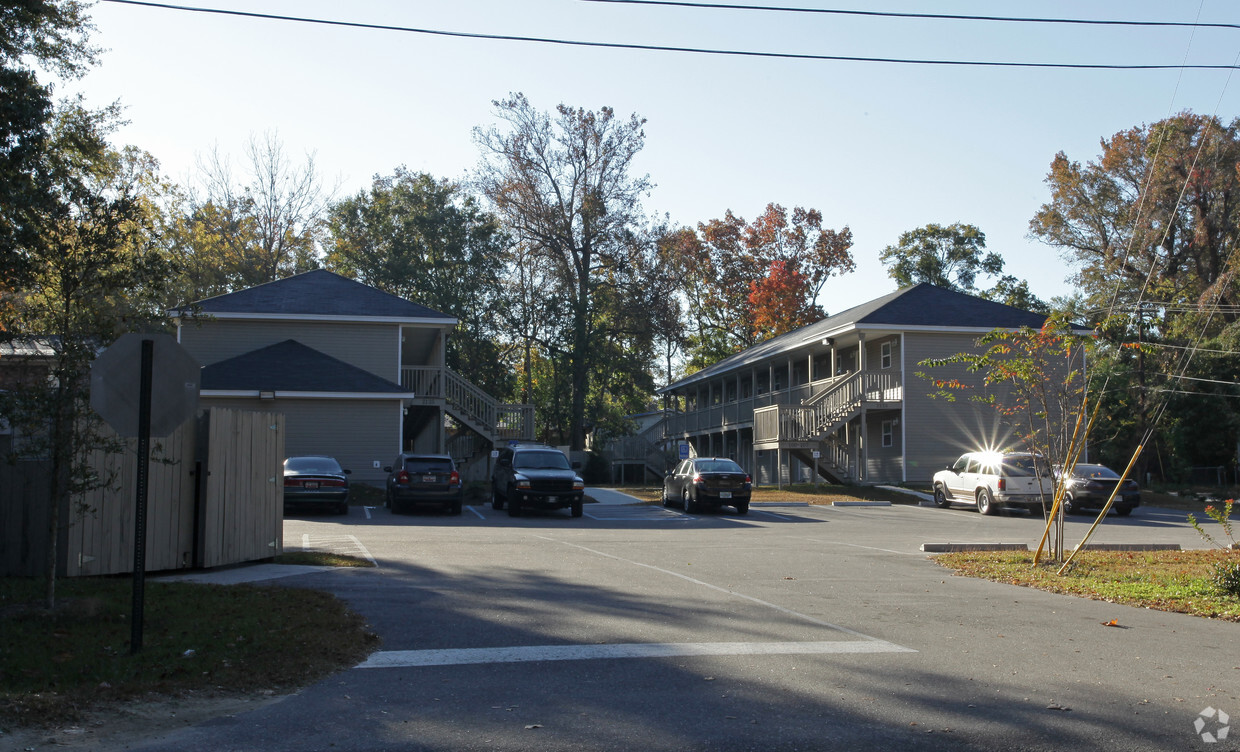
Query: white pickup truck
[{"x": 992, "y": 480}]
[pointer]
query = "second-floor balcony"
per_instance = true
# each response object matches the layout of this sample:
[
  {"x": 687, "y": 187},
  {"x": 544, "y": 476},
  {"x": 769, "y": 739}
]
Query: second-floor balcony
[{"x": 819, "y": 400}]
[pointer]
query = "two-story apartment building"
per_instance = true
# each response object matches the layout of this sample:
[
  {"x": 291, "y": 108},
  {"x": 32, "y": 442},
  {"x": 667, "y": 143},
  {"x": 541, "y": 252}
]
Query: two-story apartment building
[
  {"x": 841, "y": 395},
  {"x": 358, "y": 373}
]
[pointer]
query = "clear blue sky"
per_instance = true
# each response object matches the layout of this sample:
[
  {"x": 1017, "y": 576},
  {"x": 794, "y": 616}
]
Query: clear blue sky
[{"x": 882, "y": 148}]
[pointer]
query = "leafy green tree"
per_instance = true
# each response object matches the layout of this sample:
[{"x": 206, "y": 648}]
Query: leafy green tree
[
  {"x": 1150, "y": 227},
  {"x": 562, "y": 188},
  {"x": 954, "y": 257},
  {"x": 749, "y": 281},
  {"x": 91, "y": 272},
  {"x": 429, "y": 241},
  {"x": 950, "y": 256},
  {"x": 34, "y": 35}
]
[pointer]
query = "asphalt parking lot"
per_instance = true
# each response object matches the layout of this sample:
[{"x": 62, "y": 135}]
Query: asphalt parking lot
[{"x": 794, "y": 627}]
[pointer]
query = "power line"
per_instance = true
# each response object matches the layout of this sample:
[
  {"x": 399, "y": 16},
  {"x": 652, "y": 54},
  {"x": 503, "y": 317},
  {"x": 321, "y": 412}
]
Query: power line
[
  {"x": 1194, "y": 349},
  {"x": 1182, "y": 377},
  {"x": 930, "y": 16},
  {"x": 665, "y": 48}
]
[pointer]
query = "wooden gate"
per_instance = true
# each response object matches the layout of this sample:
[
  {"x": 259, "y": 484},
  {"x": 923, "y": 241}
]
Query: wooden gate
[{"x": 243, "y": 503}]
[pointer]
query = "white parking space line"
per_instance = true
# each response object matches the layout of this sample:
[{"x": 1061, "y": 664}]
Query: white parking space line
[
  {"x": 347, "y": 545},
  {"x": 367, "y": 511},
  {"x": 733, "y": 593},
  {"x": 364, "y": 550},
  {"x": 635, "y": 513},
  {"x": 522, "y": 654},
  {"x": 475, "y": 511}
]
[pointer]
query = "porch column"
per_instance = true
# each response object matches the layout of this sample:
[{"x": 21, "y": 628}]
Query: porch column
[
  {"x": 865, "y": 443},
  {"x": 860, "y": 351}
]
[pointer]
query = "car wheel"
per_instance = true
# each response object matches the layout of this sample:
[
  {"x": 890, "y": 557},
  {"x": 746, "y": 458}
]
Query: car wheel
[
  {"x": 985, "y": 504},
  {"x": 342, "y": 508},
  {"x": 1123, "y": 511},
  {"x": 1070, "y": 506},
  {"x": 742, "y": 507},
  {"x": 455, "y": 509},
  {"x": 940, "y": 498},
  {"x": 387, "y": 499},
  {"x": 497, "y": 501},
  {"x": 578, "y": 508},
  {"x": 514, "y": 508},
  {"x": 667, "y": 500},
  {"x": 686, "y": 501}
]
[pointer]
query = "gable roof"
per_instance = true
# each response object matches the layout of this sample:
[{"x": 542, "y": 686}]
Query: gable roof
[
  {"x": 290, "y": 366},
  {"x": 318, "y": 294},
  {"x": 922, "y": 307}
]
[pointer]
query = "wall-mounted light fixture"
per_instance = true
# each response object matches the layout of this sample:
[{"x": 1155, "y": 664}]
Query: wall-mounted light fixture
[{"x": 828, "y": 341}]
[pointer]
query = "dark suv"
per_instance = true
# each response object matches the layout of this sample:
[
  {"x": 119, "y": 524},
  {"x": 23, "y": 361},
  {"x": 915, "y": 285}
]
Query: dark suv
[
  {"x": 423, "y": 479},
  {"x": 534, "y": 476}
]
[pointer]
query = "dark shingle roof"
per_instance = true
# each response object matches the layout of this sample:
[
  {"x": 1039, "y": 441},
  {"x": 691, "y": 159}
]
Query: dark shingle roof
[
  {"x": 290, "y": 366},
  {"x": 923, "y": 306},
  {"x": 318, "y": 293}
]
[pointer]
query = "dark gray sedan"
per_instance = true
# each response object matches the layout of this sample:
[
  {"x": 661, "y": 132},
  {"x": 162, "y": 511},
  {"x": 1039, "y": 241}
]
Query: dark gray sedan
[
  {"x": 1089, "y": 487},
  {"x": 316, "y": 481},
  {"x": 708, "y": 482}
]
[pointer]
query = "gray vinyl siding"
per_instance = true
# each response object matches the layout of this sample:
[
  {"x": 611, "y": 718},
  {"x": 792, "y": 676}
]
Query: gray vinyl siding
[
  {"x": 371, "y": 347},
  {"x": 937, "y": 431},
  {"x": 873, "y": 353},
  {"x": 883, "y": 464},
  {"x": 356, "y": 432}
]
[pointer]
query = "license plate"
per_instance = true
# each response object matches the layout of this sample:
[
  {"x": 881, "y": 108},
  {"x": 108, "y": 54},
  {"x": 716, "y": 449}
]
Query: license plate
[
  {"x": 725, "y": 494},
  {"x": 429, "y": 479},
  {"x": 311, "y": 485},
  {"x": 552, "y": 499}
]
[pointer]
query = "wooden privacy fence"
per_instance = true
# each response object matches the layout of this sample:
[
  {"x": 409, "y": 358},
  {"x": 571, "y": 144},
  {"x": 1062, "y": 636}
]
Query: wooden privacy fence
[
  {"x": 23, "y": 527},
  {"x": 215, "y": 497}
]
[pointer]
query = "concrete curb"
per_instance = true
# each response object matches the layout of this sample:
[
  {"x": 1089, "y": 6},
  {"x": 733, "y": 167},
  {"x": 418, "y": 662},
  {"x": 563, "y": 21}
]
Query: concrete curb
[
  {"x": 1130, "y": 547},
  {"x": 778, "y": 504},
  {"x": 944, "y": 548},
  {"x": 861, "y": 503}
]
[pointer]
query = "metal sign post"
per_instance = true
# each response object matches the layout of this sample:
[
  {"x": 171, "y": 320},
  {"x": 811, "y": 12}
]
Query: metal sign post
[
  {"x": 162, "y": 406},
  {"x": 144, "y": 461}
]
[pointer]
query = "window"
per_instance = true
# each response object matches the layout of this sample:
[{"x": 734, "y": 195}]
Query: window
[
  {"x": 889, "y": 427},
  {"x": 884, "y": 356}
]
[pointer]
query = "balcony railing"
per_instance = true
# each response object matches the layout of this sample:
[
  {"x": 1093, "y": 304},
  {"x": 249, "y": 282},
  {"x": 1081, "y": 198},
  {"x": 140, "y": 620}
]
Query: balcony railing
[
  {"x": 468, "y": 402},
  {"x": 829, "y": 402}
]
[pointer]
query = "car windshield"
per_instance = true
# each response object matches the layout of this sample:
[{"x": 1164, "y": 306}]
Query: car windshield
[
  {"x": 718, "y": 466},
  {"x": 541, "y": 461},
  {"x": 324, "y": 465},
  {"x": 428, "y": 465},
  {"x": 1099, "y": 472},
  {"x": 1021, "y": 467}
]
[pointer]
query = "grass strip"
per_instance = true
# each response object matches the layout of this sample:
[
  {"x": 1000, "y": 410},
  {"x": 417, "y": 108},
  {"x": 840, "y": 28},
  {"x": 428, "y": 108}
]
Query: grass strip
[{"x": 1178, "y": 581}]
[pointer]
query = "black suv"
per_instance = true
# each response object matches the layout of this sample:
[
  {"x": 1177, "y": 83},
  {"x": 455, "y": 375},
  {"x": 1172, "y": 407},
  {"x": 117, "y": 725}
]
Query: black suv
[
  {"x": 535, "y": 476},
  {"x": 423, "y": 479}
]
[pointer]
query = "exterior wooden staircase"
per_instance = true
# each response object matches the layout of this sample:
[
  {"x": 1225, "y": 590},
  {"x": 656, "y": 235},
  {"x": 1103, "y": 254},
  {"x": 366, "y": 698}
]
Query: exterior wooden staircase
[{"x": 474, "y": 408}]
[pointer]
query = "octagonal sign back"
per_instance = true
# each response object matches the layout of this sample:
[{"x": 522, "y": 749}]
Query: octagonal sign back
[{"x": 116, "y": 377}]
